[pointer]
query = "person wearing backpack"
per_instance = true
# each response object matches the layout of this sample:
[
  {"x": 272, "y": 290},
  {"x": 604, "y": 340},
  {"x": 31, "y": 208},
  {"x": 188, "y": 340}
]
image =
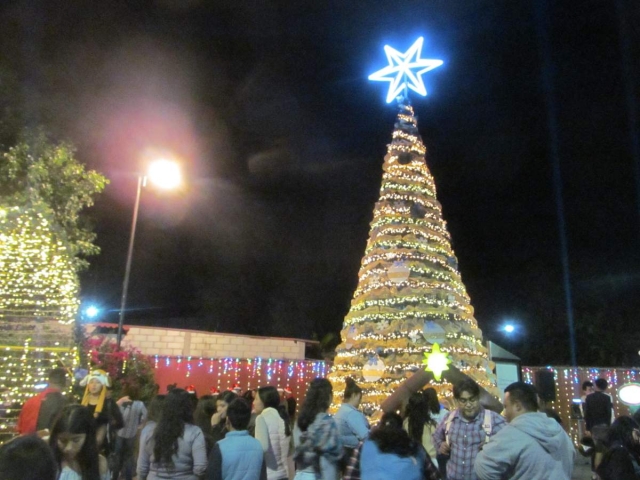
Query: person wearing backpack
[
  {"x": 38, "y": 412},
  {"x": 465, "y": 430}
]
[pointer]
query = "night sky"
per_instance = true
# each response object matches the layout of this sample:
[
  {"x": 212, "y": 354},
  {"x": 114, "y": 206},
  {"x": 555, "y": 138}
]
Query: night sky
[{"x": 282, "y": 138}]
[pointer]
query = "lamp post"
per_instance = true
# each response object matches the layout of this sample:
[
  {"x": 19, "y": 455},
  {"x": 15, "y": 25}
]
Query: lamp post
[{"x": 164, "y": 174}]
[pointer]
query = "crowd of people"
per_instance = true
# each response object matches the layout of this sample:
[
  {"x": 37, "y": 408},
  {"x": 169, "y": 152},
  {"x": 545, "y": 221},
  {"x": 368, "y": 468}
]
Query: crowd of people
[{"x": 261, "y": 435}]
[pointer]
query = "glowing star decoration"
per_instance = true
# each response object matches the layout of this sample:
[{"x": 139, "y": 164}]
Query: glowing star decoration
[
  {"x": 405, "y": 70},
  {"x": 436, "y": 361}
]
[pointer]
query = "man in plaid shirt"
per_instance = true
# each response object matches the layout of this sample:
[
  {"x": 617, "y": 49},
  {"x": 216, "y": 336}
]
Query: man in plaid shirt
[{"x": 464, "y": 431}]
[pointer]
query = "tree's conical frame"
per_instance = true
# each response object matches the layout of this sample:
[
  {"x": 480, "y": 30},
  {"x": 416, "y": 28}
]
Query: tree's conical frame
[{"x": 410, "y": 293}]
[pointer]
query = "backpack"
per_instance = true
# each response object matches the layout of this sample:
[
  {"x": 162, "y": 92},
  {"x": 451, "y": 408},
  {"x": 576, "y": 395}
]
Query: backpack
[
  {"x": 487, "y": 425},
  {"x": 52, "y": 404}
]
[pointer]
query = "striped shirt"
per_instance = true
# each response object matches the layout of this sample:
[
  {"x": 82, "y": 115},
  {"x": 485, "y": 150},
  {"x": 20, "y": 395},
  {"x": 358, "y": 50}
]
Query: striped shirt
[
  {"x": 134, "y": 415},
  {"x": 467, "y": 438}
]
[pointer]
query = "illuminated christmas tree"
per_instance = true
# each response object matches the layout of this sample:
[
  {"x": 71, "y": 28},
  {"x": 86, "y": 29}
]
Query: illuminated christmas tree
[
  {"x": 42, "y": 191},
  {"x": 38, "y": 304},
  {"x": 410, "y": 294}
]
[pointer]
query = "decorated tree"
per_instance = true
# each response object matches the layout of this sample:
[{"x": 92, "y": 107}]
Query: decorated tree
[
  {"x": 43, "y": 189},
  {"x": 410, "y": 300}
]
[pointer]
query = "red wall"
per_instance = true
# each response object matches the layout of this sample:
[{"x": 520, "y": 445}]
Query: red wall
[{"x": 223, "y": 373}]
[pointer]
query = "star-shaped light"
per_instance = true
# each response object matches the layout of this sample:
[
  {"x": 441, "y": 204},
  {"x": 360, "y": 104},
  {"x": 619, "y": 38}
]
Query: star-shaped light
[
  {"x": 405, "y": 70},
  {"x": 436, "y": 361}
]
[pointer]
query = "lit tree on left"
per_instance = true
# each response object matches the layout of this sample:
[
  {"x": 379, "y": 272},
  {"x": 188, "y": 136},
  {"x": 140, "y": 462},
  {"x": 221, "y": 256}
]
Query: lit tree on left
[{"x": 43, "y": 240}]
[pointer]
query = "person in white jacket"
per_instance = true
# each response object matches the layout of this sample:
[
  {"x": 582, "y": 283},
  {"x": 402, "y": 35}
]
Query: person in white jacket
[
  {"x": 531, "y": 447},
  {"x": 273, "y": 430}
]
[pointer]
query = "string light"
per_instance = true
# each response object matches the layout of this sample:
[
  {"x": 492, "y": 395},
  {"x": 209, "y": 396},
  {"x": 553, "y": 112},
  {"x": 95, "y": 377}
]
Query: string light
[
  {"x": 37, "y": 271},
  {"x": 24, "y": 369}
]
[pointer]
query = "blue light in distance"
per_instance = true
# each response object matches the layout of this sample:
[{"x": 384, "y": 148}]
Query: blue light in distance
[
  {"x": 509, "y": 328},
  {"x": 91, "y": 311},
  {"x": 405, "y": 70}
]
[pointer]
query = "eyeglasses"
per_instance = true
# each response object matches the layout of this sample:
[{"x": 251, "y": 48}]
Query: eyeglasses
[{"x": 465, "y": 401}]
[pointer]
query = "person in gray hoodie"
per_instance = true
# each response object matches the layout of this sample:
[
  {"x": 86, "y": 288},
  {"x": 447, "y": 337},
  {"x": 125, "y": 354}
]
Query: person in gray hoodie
[{"x": 532, "y": 447}]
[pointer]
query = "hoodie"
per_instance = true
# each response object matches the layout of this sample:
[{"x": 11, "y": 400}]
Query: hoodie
[{"x": 532, "y": 447}]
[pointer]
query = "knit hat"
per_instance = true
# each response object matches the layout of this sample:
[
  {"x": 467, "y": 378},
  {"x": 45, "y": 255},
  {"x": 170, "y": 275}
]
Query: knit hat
[{"x": 103, "y": 378}]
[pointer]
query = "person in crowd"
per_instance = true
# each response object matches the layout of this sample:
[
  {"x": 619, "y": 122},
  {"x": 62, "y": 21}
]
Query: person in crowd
[
  {"x": 104, "y": 409},
  {"x": 419, "y": 424},
  {"x": 352, "y": 424},
  {"x": 154, "y": 412},
  {"x": 191, "y": 390},
  {"x": 273, "y": 431},
  {"x": 587, "y": 389},
  {"x": 622, "y": 458},
  {"x": 74, "y": 445},
  {"x": 219, "y": 419},
  {"x": 238, "y": 456},
  {"x": 437, "y": 413},
  {"x": 390, "y": 453},
  {"x": 134, "y": 415},
  {"x": 598, "y": 413},
  {"x": 174, "y": 448},
  {"x": 292, "y": 407},
  {"x": 38, "y": 412},
  {"x": 202, "y": 418},
  {"x": 464, "y": 431},
  {"x": 544, "y": 407},
  {"x": 316, "y": 438},
  {"x": 436, "y": 410},
  {"x": 249, "y": 396},
  {"x": 27, "y": 458},
  {"x": 532, "y": 446}
]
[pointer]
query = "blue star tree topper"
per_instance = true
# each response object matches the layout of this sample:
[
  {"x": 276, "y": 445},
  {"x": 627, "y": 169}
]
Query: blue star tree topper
[{"x": 405, "y": 70}]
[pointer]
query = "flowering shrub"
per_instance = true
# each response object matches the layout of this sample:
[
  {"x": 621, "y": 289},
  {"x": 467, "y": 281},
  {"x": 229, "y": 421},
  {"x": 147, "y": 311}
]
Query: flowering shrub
[{"x": 127, "y": 367}]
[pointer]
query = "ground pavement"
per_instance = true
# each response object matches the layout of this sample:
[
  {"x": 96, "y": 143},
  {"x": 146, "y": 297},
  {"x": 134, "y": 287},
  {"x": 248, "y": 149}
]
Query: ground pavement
[{"x": 581, "y": 469}]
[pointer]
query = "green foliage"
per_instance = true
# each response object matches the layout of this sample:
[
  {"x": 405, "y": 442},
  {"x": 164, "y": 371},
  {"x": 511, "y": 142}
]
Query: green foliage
[{"x": 39, "y": 172}]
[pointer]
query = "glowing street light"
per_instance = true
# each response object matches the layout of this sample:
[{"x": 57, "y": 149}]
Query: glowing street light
[
  {"x": 164, "y": 174},
  {"x": 509, "y": 328},
  {"x": 92, "y": 311}
]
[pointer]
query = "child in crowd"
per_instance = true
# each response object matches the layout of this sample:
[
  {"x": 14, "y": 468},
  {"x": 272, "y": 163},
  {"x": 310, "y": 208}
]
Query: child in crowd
[
  {"x": 238, "y": 455},
  {"x": 74, "y": 445}
]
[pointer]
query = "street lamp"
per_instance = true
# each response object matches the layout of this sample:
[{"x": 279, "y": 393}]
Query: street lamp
[
  {"x": 92, "y": 311},
  {"x": 164, "y": 174}
]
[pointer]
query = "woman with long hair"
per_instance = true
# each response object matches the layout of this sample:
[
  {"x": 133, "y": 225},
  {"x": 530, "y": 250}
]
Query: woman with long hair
[
  {"x": 436, "y": 411},
  {"x": 352, "y": 424},
  {"x": 273, "y": 431},
  {"x": 316, "y": 437},
  {"x": 419, "y": 424},
  {"x": 219, "y": 419},
  {"x": 74, "y": 445},
  {"x": 390, "y": 452},
  {"x": 104, "y": 409},
  {"x": 622, "y": 458},
  {"x": 202, "y": 417},
  {"x": 174, "y": 448}
]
